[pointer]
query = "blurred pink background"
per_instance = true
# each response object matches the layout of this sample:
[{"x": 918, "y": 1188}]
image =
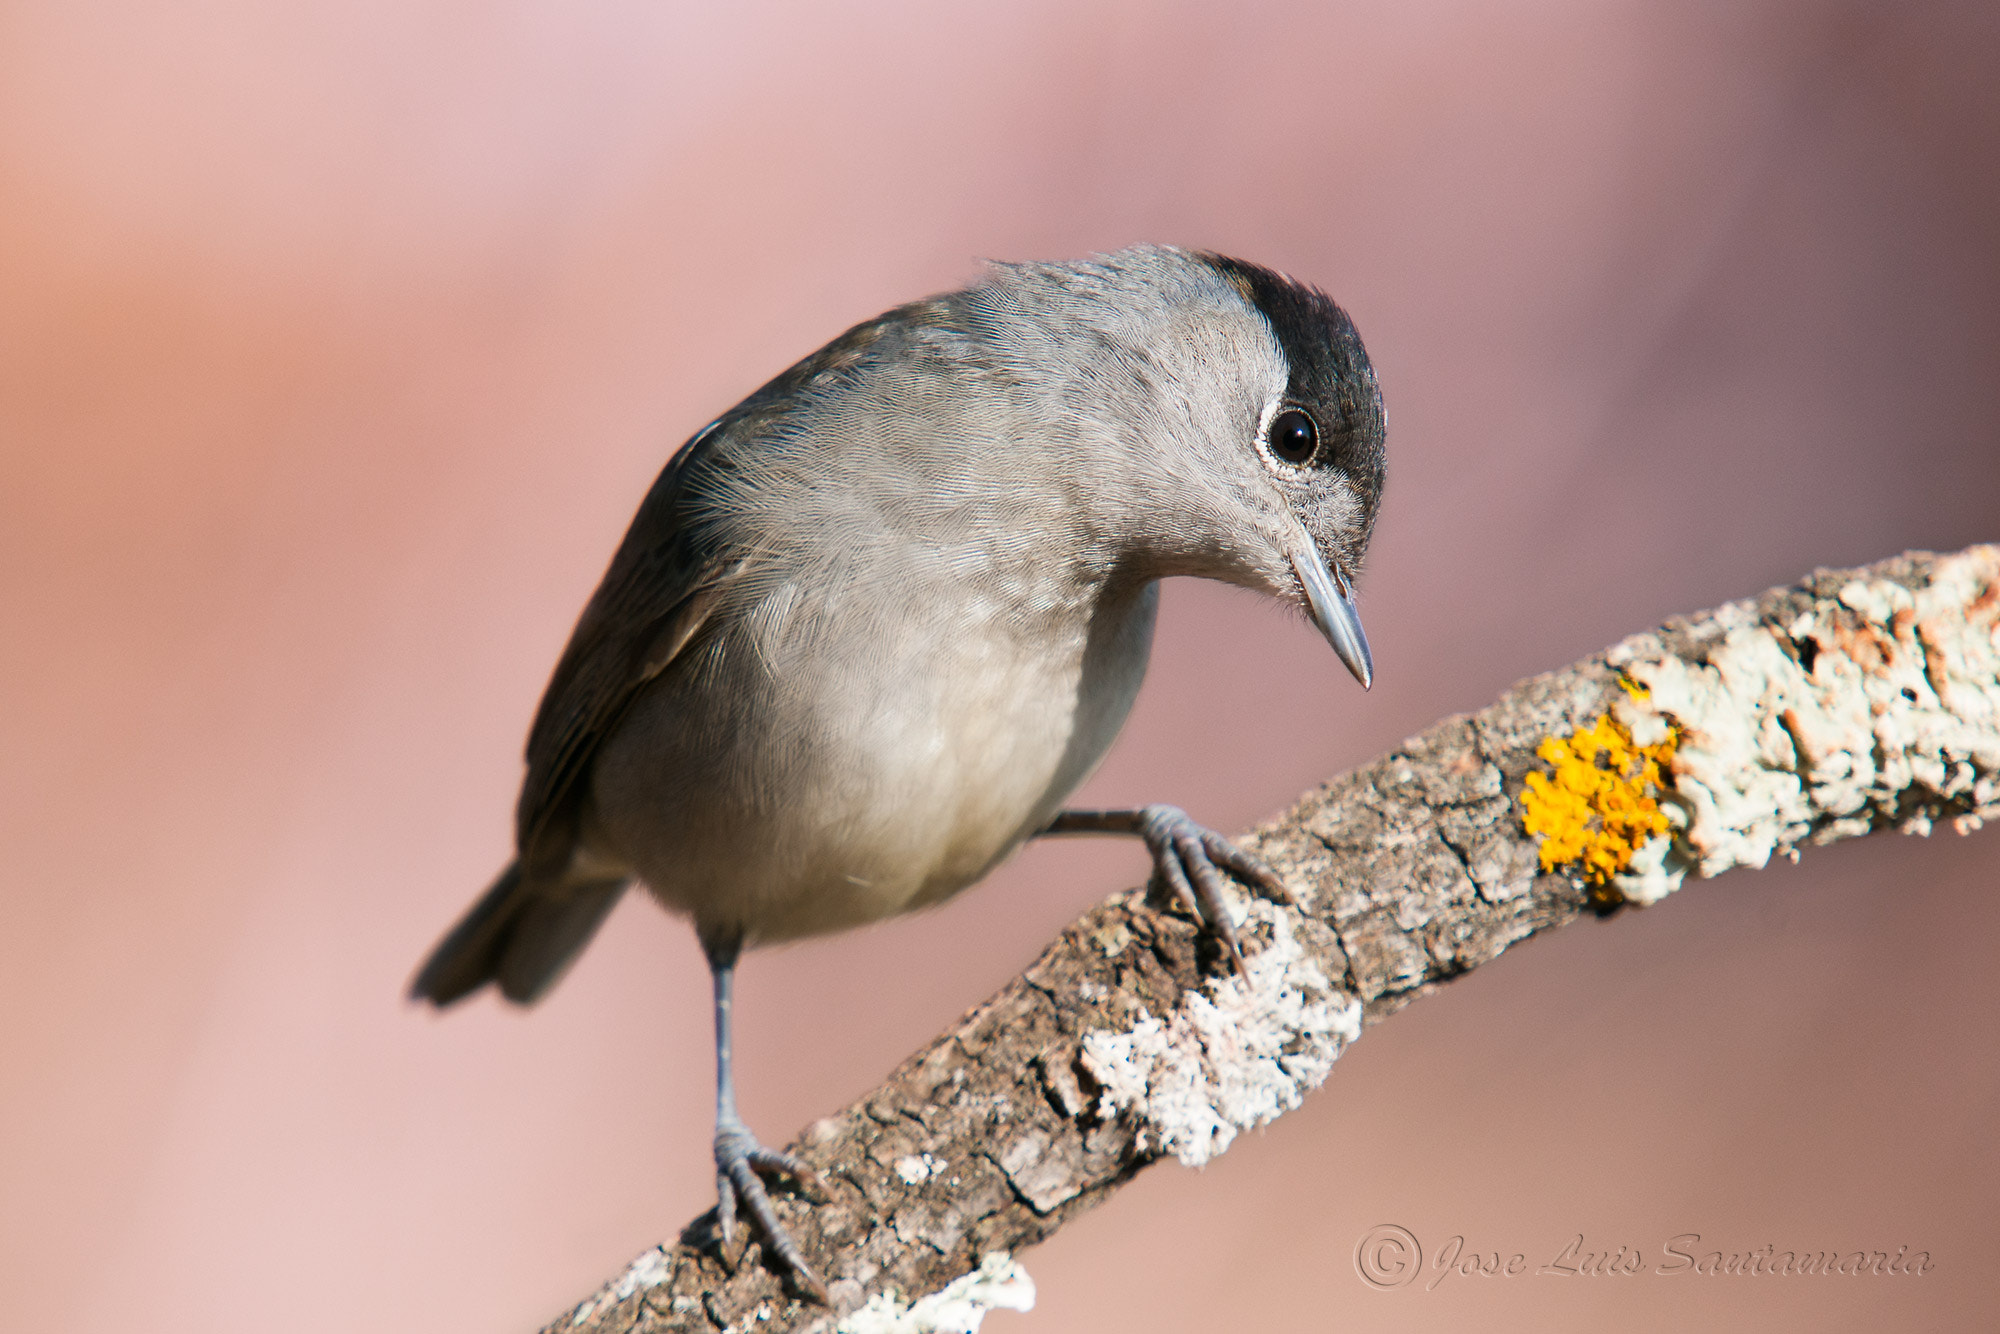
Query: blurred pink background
[{"x": 339, "y": 341}]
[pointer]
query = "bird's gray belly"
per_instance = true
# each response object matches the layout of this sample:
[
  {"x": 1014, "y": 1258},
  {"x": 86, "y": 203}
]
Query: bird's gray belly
[{"x": 794, "y": 785}]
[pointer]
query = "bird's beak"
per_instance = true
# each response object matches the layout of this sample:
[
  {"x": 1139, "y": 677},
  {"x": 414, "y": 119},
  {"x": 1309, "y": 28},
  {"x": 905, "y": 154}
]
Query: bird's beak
[{"x": 1333, "y": 612}]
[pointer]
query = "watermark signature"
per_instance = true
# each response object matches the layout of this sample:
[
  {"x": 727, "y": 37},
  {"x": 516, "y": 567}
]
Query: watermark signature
[{"x": 1390, "y": 1256}]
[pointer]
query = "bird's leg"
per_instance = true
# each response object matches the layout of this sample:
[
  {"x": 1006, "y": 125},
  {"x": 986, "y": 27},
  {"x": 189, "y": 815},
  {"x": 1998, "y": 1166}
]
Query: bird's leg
[
  {"x": 739, "y": 1158},
  {"x": 1188, "y": 860}
]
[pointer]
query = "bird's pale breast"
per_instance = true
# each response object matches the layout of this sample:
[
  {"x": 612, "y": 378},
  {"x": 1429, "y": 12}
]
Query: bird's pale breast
[{"x": 806, "y": 774}]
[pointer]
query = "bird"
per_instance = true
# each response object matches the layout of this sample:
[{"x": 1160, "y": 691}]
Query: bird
[{"x": 871, "y": 626}]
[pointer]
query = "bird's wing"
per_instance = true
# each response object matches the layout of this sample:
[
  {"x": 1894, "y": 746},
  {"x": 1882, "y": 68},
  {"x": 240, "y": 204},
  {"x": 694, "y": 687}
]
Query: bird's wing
[
  {"x": 656, "y": 597},
  {"x": 654, "y": 601}
]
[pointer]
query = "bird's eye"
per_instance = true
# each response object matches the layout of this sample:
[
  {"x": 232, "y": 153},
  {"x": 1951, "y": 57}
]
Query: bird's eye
[{"x": 1293, "y": 438}]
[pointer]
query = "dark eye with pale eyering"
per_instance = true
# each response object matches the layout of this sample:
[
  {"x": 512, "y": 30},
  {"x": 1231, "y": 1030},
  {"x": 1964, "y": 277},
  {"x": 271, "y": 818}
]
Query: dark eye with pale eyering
[{"x": 1293, "y": 438}]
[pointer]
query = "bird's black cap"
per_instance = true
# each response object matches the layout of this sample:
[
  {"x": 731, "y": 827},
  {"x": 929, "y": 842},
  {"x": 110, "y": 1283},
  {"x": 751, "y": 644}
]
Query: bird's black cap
[{"x": 1330, "y": 372}]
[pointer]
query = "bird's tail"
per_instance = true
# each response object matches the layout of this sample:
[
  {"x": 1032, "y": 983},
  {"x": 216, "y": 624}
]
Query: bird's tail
[{"x": 520, "y": 935}]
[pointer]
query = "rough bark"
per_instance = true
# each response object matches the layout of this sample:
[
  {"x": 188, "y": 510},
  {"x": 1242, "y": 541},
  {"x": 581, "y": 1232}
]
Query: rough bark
[{"x": 1408, "y": 871}]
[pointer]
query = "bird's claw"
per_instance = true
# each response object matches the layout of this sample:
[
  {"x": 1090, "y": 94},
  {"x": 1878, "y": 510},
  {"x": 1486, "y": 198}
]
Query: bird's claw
[
  {"x": 1188, "y": 861},
  {"x": 740, "y": 1162}
]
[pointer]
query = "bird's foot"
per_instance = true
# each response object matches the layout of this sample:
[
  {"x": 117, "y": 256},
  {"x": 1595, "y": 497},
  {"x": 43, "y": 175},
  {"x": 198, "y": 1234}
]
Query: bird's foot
[
  {"x": 739, "y": 1162},
  {"x": 1188, "y": 862}
]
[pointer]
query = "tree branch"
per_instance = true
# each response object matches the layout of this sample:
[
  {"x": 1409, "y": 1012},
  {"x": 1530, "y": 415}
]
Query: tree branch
[{"x": 1855, "y": 701}]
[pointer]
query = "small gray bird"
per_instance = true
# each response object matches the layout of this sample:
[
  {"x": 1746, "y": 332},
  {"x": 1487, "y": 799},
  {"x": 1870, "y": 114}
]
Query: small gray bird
[{"x": 871, "y": 626}]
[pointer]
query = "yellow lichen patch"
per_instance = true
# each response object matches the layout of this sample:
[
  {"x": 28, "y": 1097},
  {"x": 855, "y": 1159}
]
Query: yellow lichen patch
[{"x": 1596, "y": 808}]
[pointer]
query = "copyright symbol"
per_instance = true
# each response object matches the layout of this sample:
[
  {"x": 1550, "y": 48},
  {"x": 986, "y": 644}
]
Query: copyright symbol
[{"x": 1388, "y": 1256}]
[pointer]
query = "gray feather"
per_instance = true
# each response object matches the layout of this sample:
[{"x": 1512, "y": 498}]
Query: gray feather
[{"x": 517, "y": 936}]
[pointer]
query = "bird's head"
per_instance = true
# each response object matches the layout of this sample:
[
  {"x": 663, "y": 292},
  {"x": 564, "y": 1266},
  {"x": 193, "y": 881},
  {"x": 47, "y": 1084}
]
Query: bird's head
[
  {"x": 1237, "y": 421},
  {"x": 1156, "y": 411},
  {"x": 1310, "y": 472}
]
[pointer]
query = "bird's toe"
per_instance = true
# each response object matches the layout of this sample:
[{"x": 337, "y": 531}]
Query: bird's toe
[
  {"x": 1190, "y": 861},
  {"x": 740, "y": 1164}
]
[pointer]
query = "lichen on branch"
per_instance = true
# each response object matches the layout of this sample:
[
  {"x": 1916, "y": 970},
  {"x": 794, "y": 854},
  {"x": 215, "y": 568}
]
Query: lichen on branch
[{"x": 1600, "y": 805}]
